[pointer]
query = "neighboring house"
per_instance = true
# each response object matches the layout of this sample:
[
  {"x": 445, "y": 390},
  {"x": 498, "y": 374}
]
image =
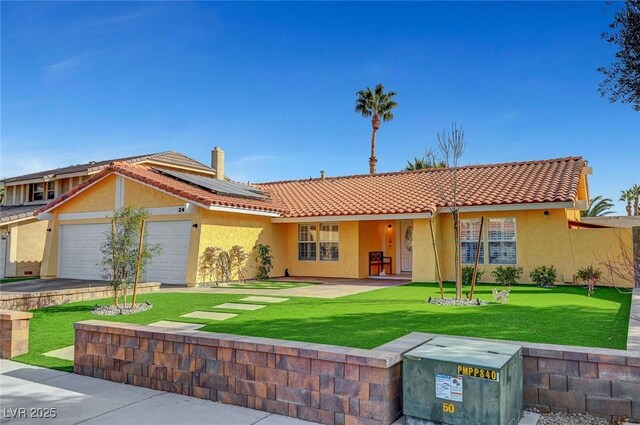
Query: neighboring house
[
  {"x": 23, "y": 237},
  {"x": 326, "y": 227},
  {"x": 614, "y": 220}
]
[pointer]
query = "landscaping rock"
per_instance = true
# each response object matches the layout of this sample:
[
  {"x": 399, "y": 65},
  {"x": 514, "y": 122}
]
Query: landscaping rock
[
  {"x": 112, "y": 310},
  {"x": 562, "y": 418},
  {"x": 454, "y": 302}
]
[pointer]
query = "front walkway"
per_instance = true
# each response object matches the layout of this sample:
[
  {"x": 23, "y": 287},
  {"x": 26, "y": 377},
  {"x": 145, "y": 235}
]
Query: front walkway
[
  {"x": 327, "y": 288},
  {"x": 28, "y": 391}
]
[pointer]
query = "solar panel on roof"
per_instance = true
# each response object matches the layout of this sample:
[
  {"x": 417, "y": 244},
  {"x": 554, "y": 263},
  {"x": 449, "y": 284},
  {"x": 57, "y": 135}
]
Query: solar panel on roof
[{"x": 221, "y": 187}]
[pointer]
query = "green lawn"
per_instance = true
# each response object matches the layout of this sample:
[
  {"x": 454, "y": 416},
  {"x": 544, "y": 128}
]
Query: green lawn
[
  {"x": 564, "y": 315},
  {"x": 18, "y": 279}
]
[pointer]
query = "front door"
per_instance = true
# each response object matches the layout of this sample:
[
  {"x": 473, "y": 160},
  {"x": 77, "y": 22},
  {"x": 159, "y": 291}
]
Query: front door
[{"x": 406, "y": 244}]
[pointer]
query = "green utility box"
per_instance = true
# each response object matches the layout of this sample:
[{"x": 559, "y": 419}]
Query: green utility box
[{"x": 462, "y": 382}]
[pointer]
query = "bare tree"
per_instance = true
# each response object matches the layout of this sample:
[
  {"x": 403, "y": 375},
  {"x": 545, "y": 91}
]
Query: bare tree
[
  {"x": 451, "y": 146},
  {"x": 626, "y": 265}
]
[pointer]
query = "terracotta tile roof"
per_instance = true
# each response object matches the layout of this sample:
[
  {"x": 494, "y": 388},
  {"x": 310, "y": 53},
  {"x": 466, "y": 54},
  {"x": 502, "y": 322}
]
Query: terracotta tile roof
[
  {"x": 169, "y": 157},
  {"x": 149, "y": 176},
  {"x": 553, "y": 180}
]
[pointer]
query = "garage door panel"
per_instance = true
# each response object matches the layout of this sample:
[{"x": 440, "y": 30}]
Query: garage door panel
[
  {"x": 80, "y": 256},
  {"x": 171, "y": 265}
]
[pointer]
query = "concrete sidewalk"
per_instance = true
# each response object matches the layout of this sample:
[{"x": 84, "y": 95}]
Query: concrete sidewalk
[
  {"x": 329, "y": 288},
  {"x": 27, "y": 391}
]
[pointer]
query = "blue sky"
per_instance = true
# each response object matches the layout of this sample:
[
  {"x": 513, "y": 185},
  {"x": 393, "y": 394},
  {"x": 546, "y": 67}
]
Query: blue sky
[{"x": 274, "y": 84}]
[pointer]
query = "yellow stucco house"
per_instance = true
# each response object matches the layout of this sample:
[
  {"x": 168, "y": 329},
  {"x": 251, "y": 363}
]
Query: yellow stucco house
[
  {"x": 327, "y": 227},
  {"x": 22, "y": 237}
]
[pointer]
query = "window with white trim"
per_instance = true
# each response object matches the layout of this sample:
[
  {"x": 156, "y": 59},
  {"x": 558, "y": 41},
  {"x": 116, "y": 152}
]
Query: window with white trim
[
  {"x": 307, "y": 238},
  {"x": 501, "y": 236},
  {"x": 329, "y": 241},
  {"x": 469, "y": 233},
  {"x": 36, "y": 192},
  {"x": 51, "y": 190}
]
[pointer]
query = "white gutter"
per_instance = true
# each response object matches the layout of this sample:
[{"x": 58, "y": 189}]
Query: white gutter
[
  {"x": 367, "y": 217},
  {"x": 515, "y": 207}
]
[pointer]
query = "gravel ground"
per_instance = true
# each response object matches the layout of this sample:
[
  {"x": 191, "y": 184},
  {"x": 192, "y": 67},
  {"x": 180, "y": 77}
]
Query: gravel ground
[
  {"x": 453, "y": 301},
  {"x": 112, "y": 310},
  {"x": 559, "y": 418}
]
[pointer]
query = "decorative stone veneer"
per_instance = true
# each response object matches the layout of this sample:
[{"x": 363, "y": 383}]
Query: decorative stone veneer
[
  {"x": 335, "y": 385},
  {"x": 320, "y": 383},
  {"x": 14, "y": 333},
  {"x": 28, "y": 301}
]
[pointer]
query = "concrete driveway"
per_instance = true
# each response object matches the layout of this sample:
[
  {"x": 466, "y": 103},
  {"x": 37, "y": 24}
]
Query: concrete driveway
[
  {"x": 40, "y": 285},
  {"x": 27, "y": 391}
]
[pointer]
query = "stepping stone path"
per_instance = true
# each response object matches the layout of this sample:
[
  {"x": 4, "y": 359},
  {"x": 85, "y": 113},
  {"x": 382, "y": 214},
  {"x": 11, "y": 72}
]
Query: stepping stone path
[
  {"x": 238, "y": 306},
  {"x": 65, "y": 353},
  {"x": 209, "y": 315},
  {"x": 265, "y": 299},
  {"x": 177, "y": 325}
]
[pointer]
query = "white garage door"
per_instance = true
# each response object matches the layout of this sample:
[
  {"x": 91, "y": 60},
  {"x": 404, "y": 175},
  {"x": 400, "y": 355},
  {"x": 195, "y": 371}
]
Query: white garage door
[
  {"x": 80, "y": 255},
  {"x": 80, "y": 251},
  {"x": 171, "y": 265},
  {"x": 3, "y": 254}
]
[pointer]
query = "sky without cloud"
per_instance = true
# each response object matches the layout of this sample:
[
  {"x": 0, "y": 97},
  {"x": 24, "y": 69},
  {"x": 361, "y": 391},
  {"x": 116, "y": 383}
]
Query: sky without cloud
[{"x": 274, "y": 84}]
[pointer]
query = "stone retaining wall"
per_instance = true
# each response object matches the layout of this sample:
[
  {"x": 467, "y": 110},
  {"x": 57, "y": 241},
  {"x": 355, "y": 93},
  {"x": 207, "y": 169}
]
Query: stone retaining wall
[
  {"x": 314, "y": 382},
  {"x": 601, "y": 382},
  {"x": 24, "y": 301},
  {"x": 14, "y": 333},
  {"x": 335, "y": 385}
]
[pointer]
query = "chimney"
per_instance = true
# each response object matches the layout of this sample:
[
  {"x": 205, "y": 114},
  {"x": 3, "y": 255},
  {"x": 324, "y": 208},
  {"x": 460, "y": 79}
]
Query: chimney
[
  {"x": 321, "y": 174},
  {"x": 217, "y": 162}
]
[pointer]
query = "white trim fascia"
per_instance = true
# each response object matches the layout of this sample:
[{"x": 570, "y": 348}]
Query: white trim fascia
[
  {"x": 26, "y": 181},
  {"x": 44, "y": 216},
  {"x": 242, "y": 211},
  {"x": 337, "y": 218},
  {"x": 71, "y": 175},
  {"x": 119, "y": 198},
  {"x": 582, "y": 205},
  {"x": 18, "y": 220},
  {"x": 185, "y": 209},
  {"x": 512, "y": 207},
  {"x": 84, "y": 215}
]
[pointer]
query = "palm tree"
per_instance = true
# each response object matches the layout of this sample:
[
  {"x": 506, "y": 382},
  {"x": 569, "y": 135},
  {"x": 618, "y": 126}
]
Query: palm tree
[
  {"x": 417, "y": 164},
  {"x": 636, "y": 199},
  {"x": 426, "y": 162},
  {"x": 627, "y": 196},
  {"x": 598, "y": 207},
  {"x": 378, "y": 104}
]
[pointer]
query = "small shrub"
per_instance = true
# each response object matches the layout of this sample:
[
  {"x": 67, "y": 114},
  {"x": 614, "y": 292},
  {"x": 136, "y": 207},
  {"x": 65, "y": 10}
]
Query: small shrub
[
  {"x": 544, "y": 275},
  {"x": 507, "y": 275},
  {"x": 467, "y": 275},
  {"x": 590, "y": 276},
  {"x": 265, "y": 261}
]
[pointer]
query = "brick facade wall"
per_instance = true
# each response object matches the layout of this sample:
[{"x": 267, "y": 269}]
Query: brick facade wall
[
  {"x": 14, "y": 333},
  {"x": 28, "y": 301}
]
